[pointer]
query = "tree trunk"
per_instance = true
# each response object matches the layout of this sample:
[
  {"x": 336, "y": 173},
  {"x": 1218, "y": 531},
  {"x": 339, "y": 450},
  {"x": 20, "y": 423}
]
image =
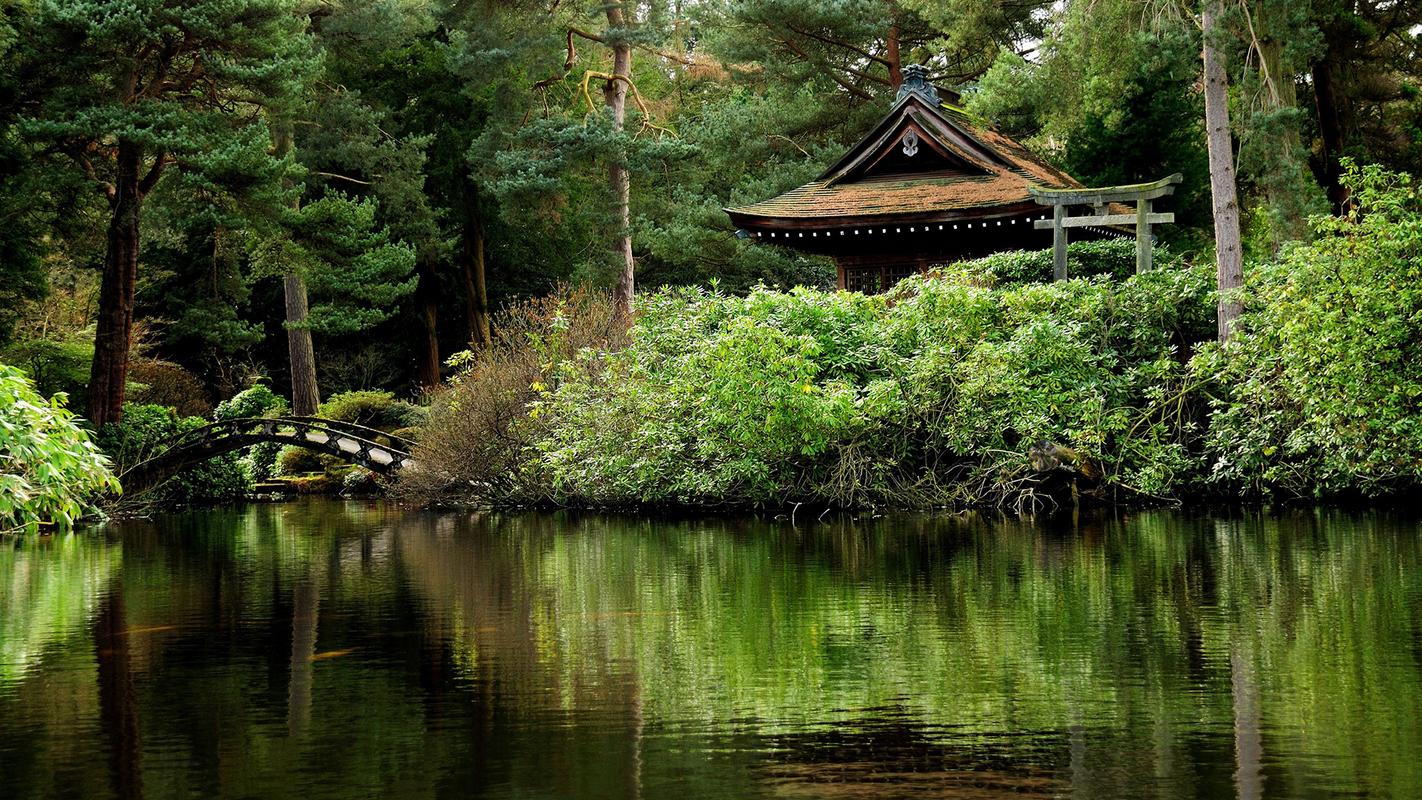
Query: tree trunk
[
  {"x": 615, "y": 95},
  {"x": 1229, "y": 265},
  {"x": 1330, "y": 130},
  {"x": 891, "y": 54},
  {"x": 301, "y": 353},
  {"x": 429, "y": 326},
  {"x": 305, "y": 396},
  {"x": 108, "y": 374},
  {"x": 476, "y": 294}
]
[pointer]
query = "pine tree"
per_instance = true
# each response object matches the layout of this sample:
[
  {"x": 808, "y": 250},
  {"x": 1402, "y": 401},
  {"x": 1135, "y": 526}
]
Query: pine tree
[{"x": 128, "y": 90}]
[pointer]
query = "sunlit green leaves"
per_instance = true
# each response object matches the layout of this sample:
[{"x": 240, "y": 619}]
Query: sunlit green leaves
[
  {"x": 50, "y": 471},
  {"x": 1322, "y": 391},
  {"x": 839, "y": 398}
]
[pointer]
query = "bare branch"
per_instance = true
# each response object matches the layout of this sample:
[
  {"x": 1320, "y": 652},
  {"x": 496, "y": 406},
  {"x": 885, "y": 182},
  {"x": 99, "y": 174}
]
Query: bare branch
[
  {"x": 636, "y": 97},
  {"x": 792, "y": 142},
  {"x": 837, "y": 43},
  {"x": 340, "y": 177}
]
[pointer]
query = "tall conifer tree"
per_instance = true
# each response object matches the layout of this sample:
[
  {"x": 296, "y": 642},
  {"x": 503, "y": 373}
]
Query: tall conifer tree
[{"x": 128, "y": 90}]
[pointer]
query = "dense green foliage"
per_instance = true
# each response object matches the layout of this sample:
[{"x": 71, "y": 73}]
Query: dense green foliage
[
  {"x": 145, "y": 432},
  {"x": 255, "y": 401},
  {"x": 50, "y": 471},
  {"x": 400, "y": 156},
  {"x": 1323, "y": 392},
  {"x": 423, "y": 165},
  {"x": 373, "y": 410},
  {"x": 940, "y": 391},
  {"x": 1112, "y": 258},
  {"x": 929, "y": 395}
]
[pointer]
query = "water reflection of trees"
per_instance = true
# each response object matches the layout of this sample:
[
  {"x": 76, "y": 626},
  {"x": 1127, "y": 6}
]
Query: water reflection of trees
[
  {"x": 1291, "y": 633},
  {"x": 49, "y": 590},
  {"x": 578, "y": 655}
]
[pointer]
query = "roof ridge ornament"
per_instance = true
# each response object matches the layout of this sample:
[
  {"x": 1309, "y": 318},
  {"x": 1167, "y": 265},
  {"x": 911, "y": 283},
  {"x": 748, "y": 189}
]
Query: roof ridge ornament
[{"x": 916, "y": 82}]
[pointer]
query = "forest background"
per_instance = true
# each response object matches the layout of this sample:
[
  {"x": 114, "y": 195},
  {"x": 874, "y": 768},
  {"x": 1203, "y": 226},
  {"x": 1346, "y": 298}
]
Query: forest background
[{"x": 333, "y": 195}]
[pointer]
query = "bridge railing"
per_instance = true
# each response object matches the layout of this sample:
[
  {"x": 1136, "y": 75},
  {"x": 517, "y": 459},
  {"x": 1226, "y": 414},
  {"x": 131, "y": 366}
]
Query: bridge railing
[
  {"x": 374, "y": 449},
  {"x": 273, "y": 425}
]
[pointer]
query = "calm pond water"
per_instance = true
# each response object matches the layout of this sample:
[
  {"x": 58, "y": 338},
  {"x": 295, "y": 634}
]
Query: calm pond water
[{"x": 328, "y": 649}]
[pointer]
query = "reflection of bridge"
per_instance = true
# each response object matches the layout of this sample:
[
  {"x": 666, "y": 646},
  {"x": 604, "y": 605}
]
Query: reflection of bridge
[{"x": 375, "y": 450}]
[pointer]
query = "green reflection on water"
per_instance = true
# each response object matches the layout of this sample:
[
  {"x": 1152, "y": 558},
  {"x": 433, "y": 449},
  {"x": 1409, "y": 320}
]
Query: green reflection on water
[
  {"x": 327, "y": 649},
  {"x": 49, "y": 588}
]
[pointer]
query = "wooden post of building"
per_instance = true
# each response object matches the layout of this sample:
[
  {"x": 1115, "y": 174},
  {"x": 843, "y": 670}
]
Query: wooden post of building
[
  {"x": 1059, "y": 243},
  {"x": 1143, "y": 248}
]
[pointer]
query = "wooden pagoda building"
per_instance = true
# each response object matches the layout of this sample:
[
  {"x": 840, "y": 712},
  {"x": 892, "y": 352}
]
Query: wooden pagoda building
[{"x": 926, "y": 187}]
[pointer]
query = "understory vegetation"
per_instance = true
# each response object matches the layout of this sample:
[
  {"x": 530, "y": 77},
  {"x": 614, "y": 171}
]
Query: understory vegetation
[
  {"x": 972, "y": 385},
  {"x": 50, "y": 471}
]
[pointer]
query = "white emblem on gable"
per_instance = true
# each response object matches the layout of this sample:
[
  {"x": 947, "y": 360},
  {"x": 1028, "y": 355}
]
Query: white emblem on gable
[{"x": 910, "y": 143}]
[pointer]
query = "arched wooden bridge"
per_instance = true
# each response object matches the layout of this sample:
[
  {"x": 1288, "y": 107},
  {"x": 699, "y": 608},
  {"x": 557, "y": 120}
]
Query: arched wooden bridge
[{"x": 375, "y": 450}]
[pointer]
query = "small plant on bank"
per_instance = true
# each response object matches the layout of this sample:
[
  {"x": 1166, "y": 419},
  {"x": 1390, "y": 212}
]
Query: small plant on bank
[{"x": 51, "y": 472}]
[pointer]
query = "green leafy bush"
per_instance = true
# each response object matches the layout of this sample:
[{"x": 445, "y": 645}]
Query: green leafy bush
[
  {"x": 1320, "y": 391},
  {"x": 146, "y": 431},
  {"x": 1114, "y": 258},
  {"x": 929, "y": 395},
  {"x": 50, "y": 470},
  {"x": 293, "y": 460},
  {"x": 716, "y": 399},
  {"x": 372, "y": 409},
  {"x": 57, "y": 364},
  {"x": 256, "y": 401}
]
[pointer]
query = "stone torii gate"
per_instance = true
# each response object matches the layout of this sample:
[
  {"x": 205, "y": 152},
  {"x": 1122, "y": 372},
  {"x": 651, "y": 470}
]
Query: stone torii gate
[{"x": 1141, "y": 193}]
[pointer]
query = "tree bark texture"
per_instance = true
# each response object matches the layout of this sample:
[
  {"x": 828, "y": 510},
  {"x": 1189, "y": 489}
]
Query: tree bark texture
[
  {"x": 1330, "y": 130},
  {"x": 1229, "y": 264},
  {"x": 893, "y": 55},
  {"x": 476, "y": 293},
  {"x": 305, "y": 396},
  {"x": 615, "y": 96},
  {"x": 108, "y": 374},
  {"x": 429, "y": 328},
  {"x": 301, "y": 352}
]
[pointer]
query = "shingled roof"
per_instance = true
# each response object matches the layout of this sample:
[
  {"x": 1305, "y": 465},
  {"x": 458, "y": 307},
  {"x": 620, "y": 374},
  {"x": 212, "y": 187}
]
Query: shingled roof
[{"x": 923, "y": 162}]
